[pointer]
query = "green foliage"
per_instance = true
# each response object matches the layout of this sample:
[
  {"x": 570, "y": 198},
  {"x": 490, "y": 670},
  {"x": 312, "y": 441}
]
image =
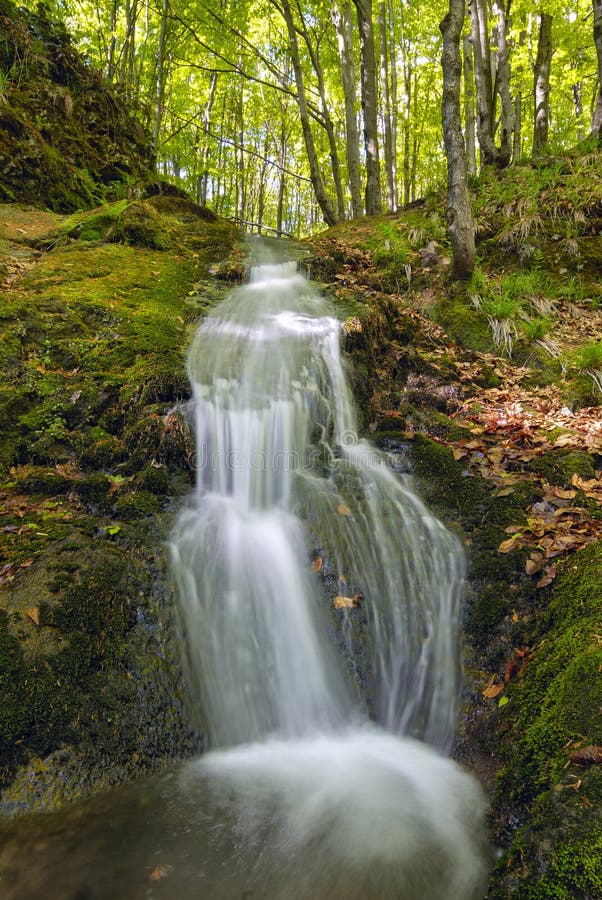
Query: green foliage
[
  {"x": 588, "y": 356},
  {"x": 535, "y": 329}
]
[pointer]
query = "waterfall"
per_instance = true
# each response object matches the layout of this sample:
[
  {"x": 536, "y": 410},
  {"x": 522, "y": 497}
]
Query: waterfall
[
  {"x": 280, "y": 467},
  {"x": 327, "y": 727}
]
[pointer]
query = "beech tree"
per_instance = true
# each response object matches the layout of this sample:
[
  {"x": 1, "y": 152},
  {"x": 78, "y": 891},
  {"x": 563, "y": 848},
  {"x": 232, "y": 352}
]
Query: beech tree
[
  {"x": 459, "y": 216},
  {"x": 541, "y": 87},
  {"x": 596, "y": 128}
]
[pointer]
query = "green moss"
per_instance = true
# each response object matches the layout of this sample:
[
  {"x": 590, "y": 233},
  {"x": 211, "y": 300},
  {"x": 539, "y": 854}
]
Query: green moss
[
  {"x": 137, "y": 504},
  {"x": 553, "y": 709},
  {"x": 559, "y": 466},
  {"x": 463, "y": 323}
]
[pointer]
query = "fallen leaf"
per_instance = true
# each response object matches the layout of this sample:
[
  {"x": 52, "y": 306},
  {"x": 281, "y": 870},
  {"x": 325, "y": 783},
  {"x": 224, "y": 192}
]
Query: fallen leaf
[
  {"x": 27, "y": 562},
  {"x": 159, "y": 872},
  {"x": 587, "y": 756},
  {"x": 493, "y": 691},
  {"x": 343, "y": 510},
  {"x": 502, "y": 701},
  {"x": 34, "y": 614},
  {"x": 317, "y": 564},
  {"x": 548, "y": 578},
  {"x": 511, "y": 667},
  {"x": 347, "y": 602}
]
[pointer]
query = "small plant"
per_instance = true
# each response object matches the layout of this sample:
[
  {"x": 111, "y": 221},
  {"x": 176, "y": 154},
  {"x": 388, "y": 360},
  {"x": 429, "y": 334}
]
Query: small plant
[
  {"x": 534, "y": 330},
  {"x": 520, "y": 285},
  {"x": 588, "y": 359},
  {"x": 501, "y": 308}
]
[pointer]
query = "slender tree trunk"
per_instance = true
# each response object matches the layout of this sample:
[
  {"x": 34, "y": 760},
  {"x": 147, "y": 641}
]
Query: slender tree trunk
[
  {"x": 324, "y": 201},
  {"x": 407, "y": 133},
  {"x": 394, "y": 117},
  {"x": 503, "y": 89},
  {"x": 518, "y": 124},
  {"x": 369, "y": 105},
  {"x": 341, "y": 16},
  {"x": 112, "y": 48},
  {"x": 596, "y": 129},
  {"x": 160, "y": 83},
  {"x": 387, "y": 113},
  {"x": 325, "y": 117},
  {"x": 459, "y": 215},
  {"x": 482, "y": 68},
  {"x": 203, "y": 182},
  {"x": 469, "y": 111},
  {"x": 541, "y": 84},
  {"x": 282, "y": 181}
]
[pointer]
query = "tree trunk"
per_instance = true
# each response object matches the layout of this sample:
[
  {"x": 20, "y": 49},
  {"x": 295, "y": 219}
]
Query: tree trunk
[
  {"x": 369, "y": 106},
  {"x": 469, "y": 111},
  {"x": 324, "y": 201},
  {"x": 541, "y": 86},
  {"x": 482, "y": 69},
  {"x": 203, "y": 180},
  {"x": 459, "y": 215},
  {"x": 341, "y": 16},
  {"x": 160, "y": 83},
  {"x": 503, "y": 89},
  {"x": 394, "y": 117},
  {"x": 387, "y": 112},
  {"x": 596, "y": 130},
  {"x": 282, "y": 181},
  {"x": 325, "y": 117},
  {"x": 518, "y": 123}
]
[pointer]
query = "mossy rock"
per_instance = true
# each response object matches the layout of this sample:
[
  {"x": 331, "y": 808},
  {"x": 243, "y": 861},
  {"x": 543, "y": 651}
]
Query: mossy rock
[
  {"x": 465, "y": 324},
  {"x": 552, "y": 710},
  {"x": 559, "y": 466},
  {"x": 137, "y": 505}
]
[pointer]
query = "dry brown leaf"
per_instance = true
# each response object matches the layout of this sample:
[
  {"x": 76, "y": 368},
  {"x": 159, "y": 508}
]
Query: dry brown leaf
[
  {"x": 347, "y": 602},
  {"x": 343, "y": 510},
  {"x": 548, "y": 578},
  {"x": 34, "y": 614},
  {"x": 159, "y": 872},
  {"x": 317, "y": 564},
  {"x": 494, "y": 690},
  {"x": 587, "y": 756},
  {"x": 27, "y": 563}
]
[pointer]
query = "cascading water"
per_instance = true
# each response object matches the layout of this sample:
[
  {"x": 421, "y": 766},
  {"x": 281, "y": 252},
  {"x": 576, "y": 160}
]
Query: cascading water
[
  {"x": 276, "y": 438},
  {"x": 352, "y": 811},
  {"x": 326, "y": 779}
]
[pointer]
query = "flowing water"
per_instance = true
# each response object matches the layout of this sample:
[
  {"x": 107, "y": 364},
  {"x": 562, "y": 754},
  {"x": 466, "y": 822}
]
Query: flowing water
[{"x": 326, "y": 778}]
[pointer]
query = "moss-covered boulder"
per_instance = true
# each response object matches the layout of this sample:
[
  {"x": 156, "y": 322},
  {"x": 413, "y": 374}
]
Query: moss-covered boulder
[{"x": 66, "y": 139}]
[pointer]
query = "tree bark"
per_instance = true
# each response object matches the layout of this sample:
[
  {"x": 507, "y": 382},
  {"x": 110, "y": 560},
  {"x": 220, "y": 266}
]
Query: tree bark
[
  {"x": 459, "y": 215},
  {"x": 516, "y": 141},
  {"x": 160, "y": 83},
  {"x": 596, "y": 130},
  {"x": 482, "y": 68},
  {"x": 369, "y": 106},
  {"x": 503, "y": 89},
  {"x": 387, "y": 111},
  {"x": 324, "y": 201},
  {"x": 541, "y": 85},
  {"x": 325, "y": 117},
  {"x": 341, "y": 16},
  {"x": 469, "y": 111}
]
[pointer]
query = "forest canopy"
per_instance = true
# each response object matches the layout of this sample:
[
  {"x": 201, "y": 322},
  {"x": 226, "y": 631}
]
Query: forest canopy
[{"x": 285, "y": 115}]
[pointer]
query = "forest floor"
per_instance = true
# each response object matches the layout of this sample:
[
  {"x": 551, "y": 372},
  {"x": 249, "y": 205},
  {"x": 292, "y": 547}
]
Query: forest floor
[{"x": 491, "y": 388}]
